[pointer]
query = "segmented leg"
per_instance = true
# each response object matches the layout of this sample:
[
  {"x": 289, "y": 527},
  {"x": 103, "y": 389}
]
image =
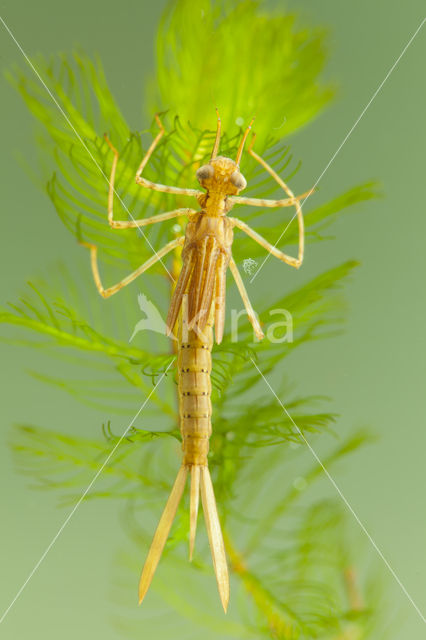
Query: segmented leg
[
  {"x": 106, "y": 293},
  {"x": 294, "y": 262},
  {"x": 243, "y": 293},
  {"x": 154, "y": 185},
  {"x": 130, "y": 224},
  {"x": 289, "y": 192},
  {"x": 260, "y": 202}
]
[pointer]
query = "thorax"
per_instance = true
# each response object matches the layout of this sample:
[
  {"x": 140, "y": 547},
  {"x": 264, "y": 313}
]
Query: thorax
[{"x": 203, "y": 224}]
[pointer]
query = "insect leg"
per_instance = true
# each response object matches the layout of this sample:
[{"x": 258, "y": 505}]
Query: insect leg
[
  {"x": 293, "y": 262},
  {"x": 131, "y": 224},
  {"x": 269, "y": 169},
  {"x": 106, "y": 293},
  {"x": 161, "y": 217},
  {"x": 271, "y": 204},
  {"x": 243, "y": 293},
  {"x": 154, "y": 185}
]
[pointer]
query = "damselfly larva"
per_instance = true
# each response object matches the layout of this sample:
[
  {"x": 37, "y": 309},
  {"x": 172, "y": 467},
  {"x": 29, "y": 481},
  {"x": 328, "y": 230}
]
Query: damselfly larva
[{"x": 199, "y": 299}]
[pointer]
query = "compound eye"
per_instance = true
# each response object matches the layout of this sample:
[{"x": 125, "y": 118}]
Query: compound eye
[
  {"x": 205, "y": 172},
  {"x": 238, "y": 180}
]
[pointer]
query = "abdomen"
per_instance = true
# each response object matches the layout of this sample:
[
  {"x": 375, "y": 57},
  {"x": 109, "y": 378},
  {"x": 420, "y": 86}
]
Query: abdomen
[{"x": 195, "y": 409}]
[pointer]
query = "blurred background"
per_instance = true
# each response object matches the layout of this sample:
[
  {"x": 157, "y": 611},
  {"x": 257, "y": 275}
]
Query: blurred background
[{"x": 374, "y": 373}]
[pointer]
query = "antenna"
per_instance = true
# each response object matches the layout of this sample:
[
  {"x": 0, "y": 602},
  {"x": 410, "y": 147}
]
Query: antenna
[
  {"x": 241, "y": 147},
  {"x": 217, "y": 141}
]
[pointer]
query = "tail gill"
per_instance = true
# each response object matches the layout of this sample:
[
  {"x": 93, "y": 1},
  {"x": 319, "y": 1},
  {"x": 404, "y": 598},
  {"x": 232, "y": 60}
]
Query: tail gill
[{"x": 200, "y": 482}]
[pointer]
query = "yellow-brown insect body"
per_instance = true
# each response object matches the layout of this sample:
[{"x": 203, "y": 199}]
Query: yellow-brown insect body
[
  {"x": 195, "y": 409},
  {"x": 206, "y": 254},
  {"x": 219, "y": 184},
  {"x": 199, "y": 300},
  {"x": 194, "y": 368}
]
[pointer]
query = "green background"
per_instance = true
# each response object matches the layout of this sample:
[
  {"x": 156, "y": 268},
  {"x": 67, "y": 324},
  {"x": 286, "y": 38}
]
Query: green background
[{"x": 374, "y": 372}]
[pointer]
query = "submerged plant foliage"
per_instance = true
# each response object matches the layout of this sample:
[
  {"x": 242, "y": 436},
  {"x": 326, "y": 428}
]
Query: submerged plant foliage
[{"x": 289, "y": 553}]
